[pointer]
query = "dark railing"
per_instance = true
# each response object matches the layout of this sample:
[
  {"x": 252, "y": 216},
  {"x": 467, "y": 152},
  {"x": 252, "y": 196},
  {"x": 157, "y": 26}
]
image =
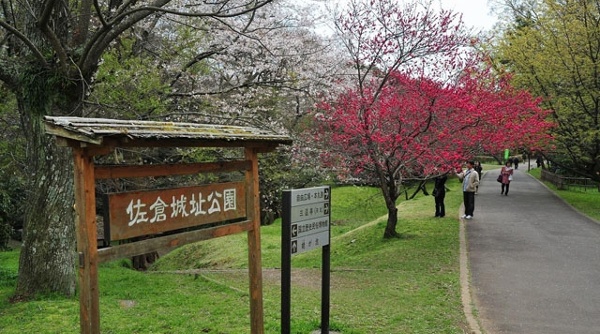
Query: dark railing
[{"x": 564, "y": 182}]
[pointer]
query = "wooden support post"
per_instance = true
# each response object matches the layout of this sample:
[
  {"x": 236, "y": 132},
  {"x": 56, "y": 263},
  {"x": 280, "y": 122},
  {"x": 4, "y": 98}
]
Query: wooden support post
[
  {"x": 254, "y": 250},
  {"x": 85, "y": 209}
]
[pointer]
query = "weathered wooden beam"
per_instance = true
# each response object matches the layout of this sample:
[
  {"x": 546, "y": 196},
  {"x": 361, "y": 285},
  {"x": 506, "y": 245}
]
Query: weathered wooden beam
[
  {"x": 170, "y": 241},
  {"x": 114, "y": 132},
  {"x": 120, "y": 171},
  {"x": 263, "y": 146},
  {"x": 85, "y": 209},
  {"x": 254, "y": 249},
  {"x": 61, "y": 132}
]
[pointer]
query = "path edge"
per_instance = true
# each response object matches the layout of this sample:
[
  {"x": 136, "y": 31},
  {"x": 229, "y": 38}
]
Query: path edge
[{"x": 465, "y": 282}]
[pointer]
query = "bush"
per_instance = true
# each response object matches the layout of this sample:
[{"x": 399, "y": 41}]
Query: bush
[
  {"x": 11, "y": 199},
  {"x": 6, "y": 232}
]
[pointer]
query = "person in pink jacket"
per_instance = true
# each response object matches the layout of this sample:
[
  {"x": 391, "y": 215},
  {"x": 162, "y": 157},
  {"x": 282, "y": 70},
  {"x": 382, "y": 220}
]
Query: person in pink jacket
[{"x": 507, "y": 175}]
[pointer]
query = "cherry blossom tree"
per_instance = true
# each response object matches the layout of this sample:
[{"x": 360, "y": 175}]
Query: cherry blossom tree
[
  {"x": 51, "y": 59},
  {"x": 263, "y": 71},
  {"x": 422, "y": 100},
  {"x": 418, "y": 128}
]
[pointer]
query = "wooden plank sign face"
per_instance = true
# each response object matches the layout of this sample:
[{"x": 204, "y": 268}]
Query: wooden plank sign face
[{"x": 134, "y": 214}]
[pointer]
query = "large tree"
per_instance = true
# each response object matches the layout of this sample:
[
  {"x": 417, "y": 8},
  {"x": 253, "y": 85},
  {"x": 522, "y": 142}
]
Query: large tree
[
  {"x": 419, "y": 98},
  {"x": 50, "y": 53},
  {"x": 419, "y": 127},
  {"x": 552, "y": 48},
  {"x": 261, "y": 74}
]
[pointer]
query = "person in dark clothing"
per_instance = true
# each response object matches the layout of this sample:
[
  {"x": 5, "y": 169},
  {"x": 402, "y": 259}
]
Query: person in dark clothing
[
  {"x": 539, "y": 161},
  {"x": 516, "y": 162},
  {"x": 439, "y": 193},
  {"x": 479, "y": 169}
]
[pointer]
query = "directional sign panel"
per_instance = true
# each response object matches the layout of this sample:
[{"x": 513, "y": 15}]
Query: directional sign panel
[
  {"x": 309, "y": 242},
  {"x": 310, "y": 211},
  {"x": 308, "y": 227},
  {"x": 308, "y": 216},
  {"x": 310, "y": 195}
]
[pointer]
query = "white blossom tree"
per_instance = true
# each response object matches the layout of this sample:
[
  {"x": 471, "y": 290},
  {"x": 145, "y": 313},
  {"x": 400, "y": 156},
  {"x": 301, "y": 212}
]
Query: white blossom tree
[{"x": 235, "y": 55}]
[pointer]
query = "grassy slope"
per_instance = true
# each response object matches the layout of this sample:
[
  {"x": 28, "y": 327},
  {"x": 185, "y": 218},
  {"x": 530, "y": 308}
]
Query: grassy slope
[
  {"x": 405, "y": 285},
  {"x": 586, "y": 201}
]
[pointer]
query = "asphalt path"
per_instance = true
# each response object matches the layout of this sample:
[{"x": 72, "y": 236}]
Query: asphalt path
[{"x": 534, "y": 260}]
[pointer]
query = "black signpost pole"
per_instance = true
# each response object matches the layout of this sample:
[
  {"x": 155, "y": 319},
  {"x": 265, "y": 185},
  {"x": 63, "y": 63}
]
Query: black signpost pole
[
  {"x": 306, "y": 225},
  {"x": 325, "y": 291},
  {"x": 326, "y": 273},
  {"x": 286, "y": 263}
]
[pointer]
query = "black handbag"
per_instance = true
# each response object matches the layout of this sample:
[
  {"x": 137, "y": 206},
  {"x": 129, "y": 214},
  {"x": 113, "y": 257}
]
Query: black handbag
[{"x": 499, "y": 179}]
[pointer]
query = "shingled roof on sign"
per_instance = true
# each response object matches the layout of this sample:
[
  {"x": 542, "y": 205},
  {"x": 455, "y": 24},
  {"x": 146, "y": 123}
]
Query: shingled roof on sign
[{"x": 103, "y": 131}]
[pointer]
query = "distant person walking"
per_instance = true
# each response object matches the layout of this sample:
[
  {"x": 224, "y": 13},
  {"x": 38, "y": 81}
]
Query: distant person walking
[
  {"x": 507, "y": 176},
  {"x": 539, "y": 161},
  {"x": 516, "y": 162},
  {"x": 439, "y": 193},
  {"x": 479, "y": 169},
  {"x": 470, "y": 181}
]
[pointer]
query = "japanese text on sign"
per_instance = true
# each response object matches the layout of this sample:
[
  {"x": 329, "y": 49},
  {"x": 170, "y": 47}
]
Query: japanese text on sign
[
  {"x": 309, "y": 242},
  {"x": 309, "y": 196},
  {"x": 149, "y": 212},
  {"x": 310, "y": 211},
  {"x": 309, "y": 227},
  {"x": 308, "y": 215},
  {"x": 215, "y": 202}
]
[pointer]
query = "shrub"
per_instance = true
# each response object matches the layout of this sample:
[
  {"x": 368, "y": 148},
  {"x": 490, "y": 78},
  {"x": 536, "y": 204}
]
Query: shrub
[
  {"x": 11, "y": 198},
  {"x": 6, "y": 232}
]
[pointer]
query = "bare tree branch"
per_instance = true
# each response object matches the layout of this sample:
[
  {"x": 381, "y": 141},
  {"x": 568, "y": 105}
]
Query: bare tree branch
[
  {"x": 83, "y": 22},
  {"x": 38, "y": 55},
  {"x": 43, "y": 23}
]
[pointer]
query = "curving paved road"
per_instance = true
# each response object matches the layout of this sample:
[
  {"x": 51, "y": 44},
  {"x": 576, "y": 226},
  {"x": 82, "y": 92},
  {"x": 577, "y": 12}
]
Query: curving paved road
[{"x": 534, "y": 261}]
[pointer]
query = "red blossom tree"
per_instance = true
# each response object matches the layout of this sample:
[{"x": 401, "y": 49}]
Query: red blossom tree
[
  {"x": 418, "y": 128},
  {"x": 420, "y": 100}
]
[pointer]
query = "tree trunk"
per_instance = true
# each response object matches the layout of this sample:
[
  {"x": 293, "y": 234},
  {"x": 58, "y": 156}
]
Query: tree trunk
[
  {"x": 390, "y": 228},
  {"x": 47, "y": 262},
  {"x": 390, "y": 195}
]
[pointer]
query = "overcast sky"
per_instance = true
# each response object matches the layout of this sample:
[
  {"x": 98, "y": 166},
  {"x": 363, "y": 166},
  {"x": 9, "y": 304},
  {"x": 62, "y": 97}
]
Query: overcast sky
[{"x": 476, "y": 13}]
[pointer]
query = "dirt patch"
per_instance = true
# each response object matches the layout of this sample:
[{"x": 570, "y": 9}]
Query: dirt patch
[{"x": 308, "y": 278}]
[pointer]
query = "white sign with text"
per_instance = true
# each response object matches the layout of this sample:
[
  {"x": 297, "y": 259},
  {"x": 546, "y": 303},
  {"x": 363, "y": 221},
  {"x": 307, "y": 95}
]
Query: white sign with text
[{"x": 309, "y": 214}]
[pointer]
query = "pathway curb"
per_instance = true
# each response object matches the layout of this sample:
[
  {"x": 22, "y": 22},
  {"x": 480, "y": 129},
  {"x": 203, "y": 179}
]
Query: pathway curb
[{"x": 465, "y": 282}]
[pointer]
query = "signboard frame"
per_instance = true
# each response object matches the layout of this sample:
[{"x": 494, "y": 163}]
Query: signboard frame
[
  {"x": 91, "y": 137},
  {"x": 306, "y": 225}
]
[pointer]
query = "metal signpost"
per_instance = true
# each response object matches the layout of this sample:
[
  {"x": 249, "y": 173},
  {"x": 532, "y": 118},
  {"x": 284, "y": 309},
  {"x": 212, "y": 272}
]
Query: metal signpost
[{"x": 305, "y": 226}]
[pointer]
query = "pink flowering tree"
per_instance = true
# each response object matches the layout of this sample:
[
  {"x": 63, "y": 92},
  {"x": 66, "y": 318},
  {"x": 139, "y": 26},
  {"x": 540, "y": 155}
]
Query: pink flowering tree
[
  {"x": 418, "y": 128},
  {"x": 420, "y": 102}
]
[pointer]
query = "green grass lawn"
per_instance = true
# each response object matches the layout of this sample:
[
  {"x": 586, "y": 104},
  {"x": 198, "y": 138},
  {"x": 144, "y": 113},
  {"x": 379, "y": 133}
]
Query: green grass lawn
[
  {"x": 586, "y": 201},
  {"x": 404, "y": 285}
]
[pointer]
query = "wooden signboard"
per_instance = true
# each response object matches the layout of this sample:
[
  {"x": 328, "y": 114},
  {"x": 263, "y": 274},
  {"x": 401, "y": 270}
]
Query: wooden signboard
[
  {"x": 134, "y": 214},
  {"x": 151, "y": 212}
]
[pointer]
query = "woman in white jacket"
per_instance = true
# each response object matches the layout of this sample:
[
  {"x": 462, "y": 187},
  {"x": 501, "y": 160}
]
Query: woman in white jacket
[{"x": 470, "y": 180}]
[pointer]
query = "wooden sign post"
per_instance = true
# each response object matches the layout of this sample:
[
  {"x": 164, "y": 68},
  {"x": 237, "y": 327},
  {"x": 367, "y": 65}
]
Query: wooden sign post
[{"x": 134, "y": 214}]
